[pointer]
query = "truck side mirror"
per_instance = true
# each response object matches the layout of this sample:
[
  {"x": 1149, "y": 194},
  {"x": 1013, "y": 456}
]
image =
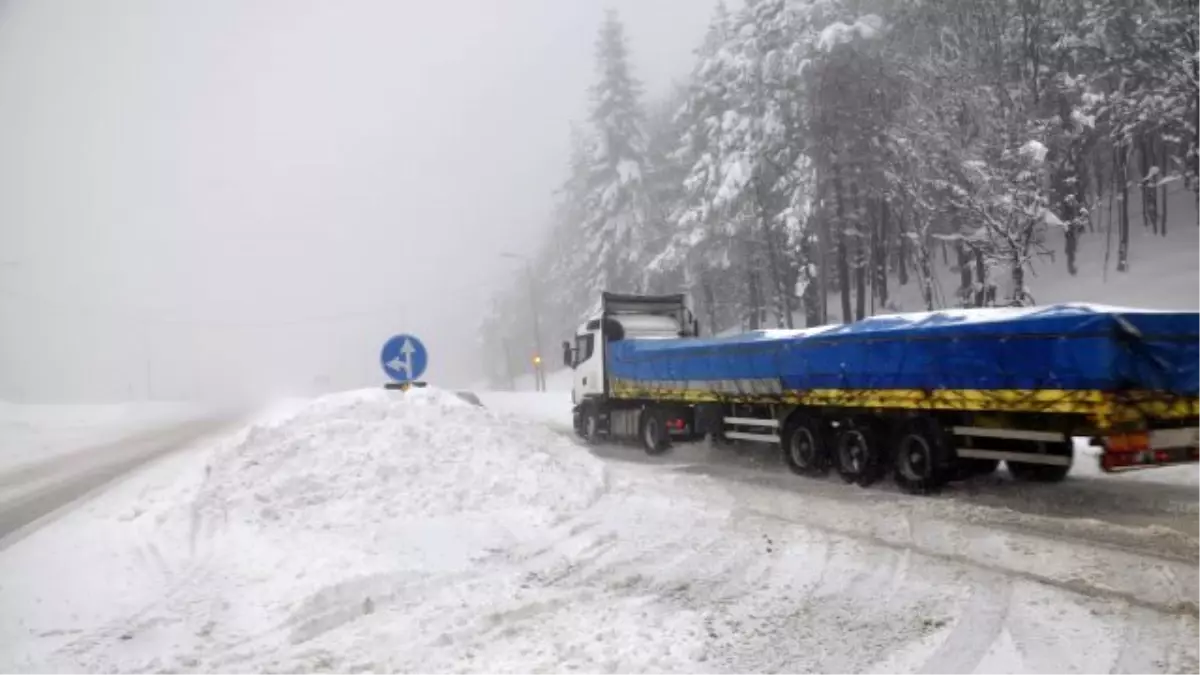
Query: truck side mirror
[{"x": 568, "y": 355}]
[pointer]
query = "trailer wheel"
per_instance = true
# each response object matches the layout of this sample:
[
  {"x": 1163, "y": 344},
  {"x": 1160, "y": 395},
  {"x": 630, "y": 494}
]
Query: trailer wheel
[
  {"x": 920, "y": 458},
  {"x": 803, "y": 447},
  {"x": 858, "y": 454},
  {"x": 655, "y": 438}
]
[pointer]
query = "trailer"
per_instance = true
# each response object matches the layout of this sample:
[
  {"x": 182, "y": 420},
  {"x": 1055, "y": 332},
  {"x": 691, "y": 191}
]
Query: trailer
[{"x": 926, "y": 398}]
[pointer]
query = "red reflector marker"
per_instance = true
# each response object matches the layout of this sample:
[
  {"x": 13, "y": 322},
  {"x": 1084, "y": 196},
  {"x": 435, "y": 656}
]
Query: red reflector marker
[{"x": 1112, "y": 460}]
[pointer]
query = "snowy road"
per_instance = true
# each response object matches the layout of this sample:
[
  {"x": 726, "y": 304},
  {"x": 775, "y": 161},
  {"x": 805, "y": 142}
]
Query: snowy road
[
  {"x": 1156, "y": 510},
  {"x": 34, "y": 490},
  {"x": 1128, "y": 511}
]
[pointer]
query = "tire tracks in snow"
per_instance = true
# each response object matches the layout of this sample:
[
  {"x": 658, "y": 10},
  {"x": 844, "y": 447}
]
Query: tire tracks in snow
[
  {"x": 977, "y": 628},
  {"x": 1136, "y": 572},
  {"x": 330, "y": 608},
  {"x": 999, "y": 547},
  {"x": 1167, "y": 586},
  {"x": 1140, "y": 636},
  {"x": 997, "y": 544},
  {"x": 198, "y": 534}
]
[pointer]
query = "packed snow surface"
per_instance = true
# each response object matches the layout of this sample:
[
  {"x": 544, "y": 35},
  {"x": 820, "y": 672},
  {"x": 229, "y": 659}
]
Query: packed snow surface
[{"x": 413, "y": 532}]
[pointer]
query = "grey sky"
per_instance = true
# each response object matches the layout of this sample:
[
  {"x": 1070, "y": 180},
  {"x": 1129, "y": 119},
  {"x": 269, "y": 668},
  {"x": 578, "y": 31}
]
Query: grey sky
[{"x": 205, "y": 198}]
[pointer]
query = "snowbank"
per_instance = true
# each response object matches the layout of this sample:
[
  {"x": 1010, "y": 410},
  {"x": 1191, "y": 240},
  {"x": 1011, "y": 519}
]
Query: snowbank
[
  {"x": 260, "y": 539},
  {"x": 373, "y": 457}
]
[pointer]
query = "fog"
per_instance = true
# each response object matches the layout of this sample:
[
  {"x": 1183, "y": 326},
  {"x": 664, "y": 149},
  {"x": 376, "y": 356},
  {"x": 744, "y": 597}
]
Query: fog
[{"x": 225, "y": 199}]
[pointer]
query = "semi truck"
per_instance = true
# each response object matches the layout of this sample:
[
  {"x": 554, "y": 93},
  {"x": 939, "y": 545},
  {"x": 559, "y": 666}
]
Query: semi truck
[{"x": 925, "y": 398}]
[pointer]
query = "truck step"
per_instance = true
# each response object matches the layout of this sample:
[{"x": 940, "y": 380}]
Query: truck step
[
  {"x": 751, "y": 422},
  {"x": 1008, "y": 456},
  {"x": 744, "y": 436}
]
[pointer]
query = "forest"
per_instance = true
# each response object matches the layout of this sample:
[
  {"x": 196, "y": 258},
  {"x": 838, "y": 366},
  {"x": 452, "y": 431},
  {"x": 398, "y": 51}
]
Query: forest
[{"x": 822, "y": 154}]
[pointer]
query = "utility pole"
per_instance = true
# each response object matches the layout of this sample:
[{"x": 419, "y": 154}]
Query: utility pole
[
  {"x": 508, "y": 368},
  {"x": 539, "y": 375}
]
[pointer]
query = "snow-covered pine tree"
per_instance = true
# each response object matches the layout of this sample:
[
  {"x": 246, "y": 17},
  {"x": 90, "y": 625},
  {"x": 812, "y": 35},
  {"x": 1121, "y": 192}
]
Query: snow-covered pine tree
[
  {"x": 919, "y": 113},
  {"x": 614, "y": 226},
  {"x": 699, "y": 245},
  {"x": 854, "y": 95},
  {"x": 565, "y": 261},
  {"x": 942, "y": 51},
  {"x": 744, "y": 141},
  {"x": 663, "y": 182}
]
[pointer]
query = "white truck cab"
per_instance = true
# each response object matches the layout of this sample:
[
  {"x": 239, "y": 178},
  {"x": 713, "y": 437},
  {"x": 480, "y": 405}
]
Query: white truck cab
[
  {"x": 621, "y": 317},
  {"x": 586, "y": 360}
]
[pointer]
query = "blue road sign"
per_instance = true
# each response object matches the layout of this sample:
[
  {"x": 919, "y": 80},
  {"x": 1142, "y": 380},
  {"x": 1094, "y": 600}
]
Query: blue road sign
[{"x": 404, "y": 358}]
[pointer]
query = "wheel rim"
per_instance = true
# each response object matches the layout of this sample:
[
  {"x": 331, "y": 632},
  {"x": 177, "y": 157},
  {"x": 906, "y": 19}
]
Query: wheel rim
[
  {"x": 803, "y": 448},
  {"x": 854, "y": 452},
  {"x": 915, "y": 457},
  {"x": 591, "y": 426}
]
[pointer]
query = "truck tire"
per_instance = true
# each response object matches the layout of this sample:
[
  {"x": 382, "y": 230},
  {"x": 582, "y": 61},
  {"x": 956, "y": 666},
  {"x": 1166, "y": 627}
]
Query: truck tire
[
  {"x": 803, "y": 446},
  {"x": 577, "y": 422},
  {"x": 858, "y": 454},
  {"x": 921, "y": 457},
  {"x": 653, "y": 433},
  {"x": 589, "y": 425}
]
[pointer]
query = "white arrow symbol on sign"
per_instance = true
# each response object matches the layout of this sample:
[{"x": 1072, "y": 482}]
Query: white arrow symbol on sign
[{"x": 405, "y": 365}]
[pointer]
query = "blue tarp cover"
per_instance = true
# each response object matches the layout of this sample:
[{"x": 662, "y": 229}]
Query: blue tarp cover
[{"x": 1062, "y": 347}]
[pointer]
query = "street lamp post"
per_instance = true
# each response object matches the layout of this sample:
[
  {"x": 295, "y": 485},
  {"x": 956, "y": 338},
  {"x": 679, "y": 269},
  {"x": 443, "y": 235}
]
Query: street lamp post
[{"x": 539, "y": 378}]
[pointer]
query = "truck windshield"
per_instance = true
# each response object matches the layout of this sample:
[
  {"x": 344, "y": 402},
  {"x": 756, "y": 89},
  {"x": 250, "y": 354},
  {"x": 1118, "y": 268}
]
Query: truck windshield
[{"x": 584, "y": 344}]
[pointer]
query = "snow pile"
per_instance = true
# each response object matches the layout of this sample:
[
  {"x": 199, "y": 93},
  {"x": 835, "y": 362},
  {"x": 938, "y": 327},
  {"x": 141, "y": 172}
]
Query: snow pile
[
  {"x": 348, "y": 460},
  {"x": 307, "y": 520}
]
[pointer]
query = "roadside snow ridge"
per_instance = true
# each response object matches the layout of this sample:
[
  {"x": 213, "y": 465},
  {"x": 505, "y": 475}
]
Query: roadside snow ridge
[{"x": 346, "y": 460}]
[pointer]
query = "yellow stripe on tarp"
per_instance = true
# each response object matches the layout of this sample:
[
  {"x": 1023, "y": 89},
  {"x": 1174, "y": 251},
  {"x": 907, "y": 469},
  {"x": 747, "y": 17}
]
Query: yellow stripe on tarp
[
  {"x": 1000, "y": 400},
  {"x": 1106, "y": 407},
  {"x": 1147, "y": 404},
  {"x": 633, "y": 390}
]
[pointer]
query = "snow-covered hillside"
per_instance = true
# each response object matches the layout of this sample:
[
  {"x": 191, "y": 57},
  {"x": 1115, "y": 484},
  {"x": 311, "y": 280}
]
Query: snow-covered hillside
[
  {"x": 1164, "y": 272},
  {"x": 384, "y": 531},
  {"x": 810, "y": 160}
]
